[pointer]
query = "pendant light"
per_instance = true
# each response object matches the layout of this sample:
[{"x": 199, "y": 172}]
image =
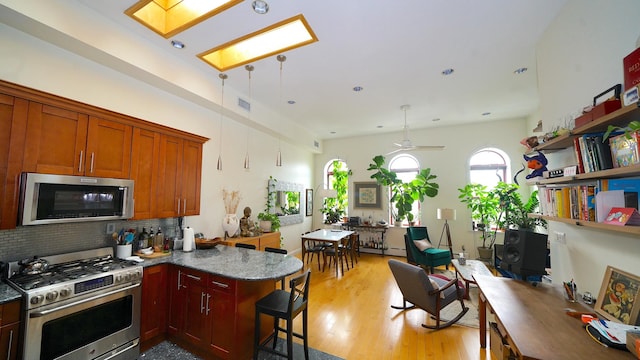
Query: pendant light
[
  {"x": 281, "y": 59},
  {"x": 222, "y": 77},
  {"x": 249, "y": 69}
]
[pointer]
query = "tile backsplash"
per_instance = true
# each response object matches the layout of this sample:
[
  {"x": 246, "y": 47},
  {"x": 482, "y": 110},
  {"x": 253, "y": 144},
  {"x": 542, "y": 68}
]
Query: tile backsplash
[{"x": 43, "y": 240}]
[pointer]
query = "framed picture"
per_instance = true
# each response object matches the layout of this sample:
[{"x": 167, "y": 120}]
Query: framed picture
[
  {"x": 309, "y": 202},
  {"x": 617, "y": 298},
  {"x": 367, "y": 195}
]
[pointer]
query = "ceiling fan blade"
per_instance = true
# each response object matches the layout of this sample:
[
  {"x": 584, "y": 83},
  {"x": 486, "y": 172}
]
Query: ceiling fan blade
[
  {"x": 429, "y": 147},
  {"x": 394, "y": 151}
]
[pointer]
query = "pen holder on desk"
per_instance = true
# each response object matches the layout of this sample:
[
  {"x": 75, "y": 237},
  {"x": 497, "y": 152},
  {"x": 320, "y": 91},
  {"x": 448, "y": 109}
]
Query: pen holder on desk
[{"x": 571, "y": 291}]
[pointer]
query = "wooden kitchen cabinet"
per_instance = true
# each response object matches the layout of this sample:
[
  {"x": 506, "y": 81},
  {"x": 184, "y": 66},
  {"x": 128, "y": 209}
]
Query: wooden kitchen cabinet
[
  {"x": 261, "y": 242},
  {"x": 68, "y": 142},
  {"x": 213, "y": 315},
  {"x": 179, "y": 177},
  {"x": 197, "y": 309},
  {"x": 13, "y": 121},
  {"x": 145, "y": 149},
  {"x": 222, "y": 316},
  {"x": 9, "y": 330},
  {"x": 177, "y": 301},
  {"x": 153, "y": 318}
]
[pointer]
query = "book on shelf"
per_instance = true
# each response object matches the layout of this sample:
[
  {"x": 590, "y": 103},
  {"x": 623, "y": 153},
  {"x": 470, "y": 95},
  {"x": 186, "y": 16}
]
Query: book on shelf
[
  {"x": 623, "y": 216},
  {"x": 576, "y": 201},
  {"x": 605, "y": 201},
  {"x": 593, "y": 152},
  {"x": 625, "y": 151}
]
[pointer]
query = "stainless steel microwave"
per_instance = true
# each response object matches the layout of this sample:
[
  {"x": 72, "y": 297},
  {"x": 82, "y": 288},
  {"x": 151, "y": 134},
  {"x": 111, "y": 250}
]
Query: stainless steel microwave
[{"x": 49, "y": 199}]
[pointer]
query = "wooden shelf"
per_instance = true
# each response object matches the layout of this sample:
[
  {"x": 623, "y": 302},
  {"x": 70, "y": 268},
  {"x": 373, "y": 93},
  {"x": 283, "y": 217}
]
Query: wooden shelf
[
  {"x": 633, "y": 230},
  {"x": 620, "y": 117},
  {"x": 621, "y": 172}
]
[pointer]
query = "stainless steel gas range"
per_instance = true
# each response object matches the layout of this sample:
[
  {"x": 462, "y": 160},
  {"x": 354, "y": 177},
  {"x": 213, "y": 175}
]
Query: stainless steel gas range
[{"x": 82, "y": 305}]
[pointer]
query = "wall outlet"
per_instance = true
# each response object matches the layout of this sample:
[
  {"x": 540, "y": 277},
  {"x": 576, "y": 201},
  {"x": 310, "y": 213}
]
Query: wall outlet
[
  {"x": 111, "y": 228},
  {"x": 561, "y": 237}
]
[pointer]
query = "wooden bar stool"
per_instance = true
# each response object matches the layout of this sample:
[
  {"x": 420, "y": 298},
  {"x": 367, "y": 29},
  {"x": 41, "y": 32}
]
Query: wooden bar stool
[{"x": 285, "y": 305}]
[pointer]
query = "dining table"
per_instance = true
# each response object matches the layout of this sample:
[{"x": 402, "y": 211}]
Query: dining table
[{"x": 331, "y": 236}]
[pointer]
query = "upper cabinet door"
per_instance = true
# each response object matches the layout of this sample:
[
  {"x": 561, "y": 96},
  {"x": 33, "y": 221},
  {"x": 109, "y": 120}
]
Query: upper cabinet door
[
  {"x": 191, "y": 176},
  {"x": 56, "y": 140},
  {"x": 169, "y": 196},
  {"x": 108, "y": 149},
  {"x": 13, "y": 122},
  {"x": 145, "y": 150}
]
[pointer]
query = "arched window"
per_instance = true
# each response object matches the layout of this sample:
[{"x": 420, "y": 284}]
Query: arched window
[
  {"x": 335, "y": 204},
  {"x": 488, "y": 166},
  {"x": 406, "y": 167}
]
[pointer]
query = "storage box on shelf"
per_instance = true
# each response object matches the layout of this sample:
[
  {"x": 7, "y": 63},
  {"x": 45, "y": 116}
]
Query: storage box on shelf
[{"x": 565, "y": 184}]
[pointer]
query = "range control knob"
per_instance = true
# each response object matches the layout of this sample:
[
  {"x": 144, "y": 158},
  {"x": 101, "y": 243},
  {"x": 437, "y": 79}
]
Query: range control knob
[
  {"x": 52, "y": 295},
  {"x": 36, "y": 299},
  {"x": 127, "y": 277},
  {"x": 118, "y": 278},
  {"x": 64, "y": 292}
]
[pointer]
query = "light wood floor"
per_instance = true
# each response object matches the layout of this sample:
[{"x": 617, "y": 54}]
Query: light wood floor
[{"x": 350, "y": 317}]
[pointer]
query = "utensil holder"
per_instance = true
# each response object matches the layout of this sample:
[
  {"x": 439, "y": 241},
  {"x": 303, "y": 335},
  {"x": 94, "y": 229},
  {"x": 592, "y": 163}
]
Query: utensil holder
[{"x": 123, "y": 251}]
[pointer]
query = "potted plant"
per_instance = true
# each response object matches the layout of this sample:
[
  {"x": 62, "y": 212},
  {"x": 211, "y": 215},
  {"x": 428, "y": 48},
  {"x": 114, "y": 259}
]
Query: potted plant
[
  {"x": 334, "y": 209},
  {"x": 485, "y": 211},
  {"x": 403, "y": 195},
  {"x": 500, "y": 208},
  {"x": 269, "y": 221},
  {"x": 516, "y": 210}
]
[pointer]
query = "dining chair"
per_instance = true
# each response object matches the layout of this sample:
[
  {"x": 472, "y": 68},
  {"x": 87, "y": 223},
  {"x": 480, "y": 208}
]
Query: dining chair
[
  {"x": 285, "y": 305},
  {"x": 312, "y": 248},
  {"x": 245, "y": 246},
  {"x": 278, "y": 251},
  {"x": 343, "y": 252}
]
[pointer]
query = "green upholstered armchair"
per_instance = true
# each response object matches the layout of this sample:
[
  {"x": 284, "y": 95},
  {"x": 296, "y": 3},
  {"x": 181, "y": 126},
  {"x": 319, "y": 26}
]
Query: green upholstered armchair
[{"x": 428, "y": 258}]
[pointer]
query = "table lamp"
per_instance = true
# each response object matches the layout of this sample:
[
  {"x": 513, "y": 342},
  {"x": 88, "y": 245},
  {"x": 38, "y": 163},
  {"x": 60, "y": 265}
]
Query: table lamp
[{"x": 446, "y": 215}]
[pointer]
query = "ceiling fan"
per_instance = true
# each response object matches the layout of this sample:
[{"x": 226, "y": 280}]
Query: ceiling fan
[{"x": 405, "y": 144}]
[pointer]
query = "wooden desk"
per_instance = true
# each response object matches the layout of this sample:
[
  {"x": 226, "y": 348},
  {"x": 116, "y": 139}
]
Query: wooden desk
[
  {"x": 535, "y": 321},
  {"x": 328, "y": 236}
]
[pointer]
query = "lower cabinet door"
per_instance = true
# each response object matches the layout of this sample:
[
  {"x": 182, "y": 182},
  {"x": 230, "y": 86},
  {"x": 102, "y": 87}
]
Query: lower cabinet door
[
  {"x": 9, "y": 341},
  {"x": 222, "y": 324},
  {"x": 195, "y": 316},
  {"x": 154, "y": 299}
]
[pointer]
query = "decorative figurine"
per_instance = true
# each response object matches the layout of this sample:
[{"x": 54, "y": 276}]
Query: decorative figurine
[
  {"x": 248, "y": 226},
  {"x": 538, "y": 163}
]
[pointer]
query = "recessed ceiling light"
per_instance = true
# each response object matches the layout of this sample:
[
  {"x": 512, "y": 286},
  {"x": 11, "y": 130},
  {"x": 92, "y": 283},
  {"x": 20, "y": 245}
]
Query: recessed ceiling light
[
  {"x": 168, "y": 18},
  {"x": 358, "y": 88},
  {"x": 435, "y": 119},
  {"x": 177, "y": 44},
  {"x": 332, "y": 132},
  {"x": 291, "y": 102},
  {"x": 260, "y": 7},
  {"x": 520, "y": 70},
  {"x": 447, "y": 72},
  {"x": 486, "y": 113},
  {"x": 274, "y": 39},
  {"x": 379, "y": 126}
]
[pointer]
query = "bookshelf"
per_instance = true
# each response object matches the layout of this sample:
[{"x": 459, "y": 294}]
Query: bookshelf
[{"x": 619, "y": 118}]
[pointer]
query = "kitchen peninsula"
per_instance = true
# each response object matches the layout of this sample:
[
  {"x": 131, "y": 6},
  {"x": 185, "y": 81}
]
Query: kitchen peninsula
[{"x": 204, "y": 300}]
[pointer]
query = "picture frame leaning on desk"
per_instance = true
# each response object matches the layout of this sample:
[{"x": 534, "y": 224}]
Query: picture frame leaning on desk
[{"x": 619, "y": 297}]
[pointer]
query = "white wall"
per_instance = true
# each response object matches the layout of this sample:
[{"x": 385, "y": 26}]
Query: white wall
[
  {"x": 33, "y": 63},
  {"x": 579, "y": 56},
  {"x": 449, "y": 165}
]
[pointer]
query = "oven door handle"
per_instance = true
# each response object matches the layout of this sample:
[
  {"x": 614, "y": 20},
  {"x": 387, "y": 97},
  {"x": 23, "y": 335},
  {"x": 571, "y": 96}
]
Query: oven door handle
[{"x": 66, "y": 306}]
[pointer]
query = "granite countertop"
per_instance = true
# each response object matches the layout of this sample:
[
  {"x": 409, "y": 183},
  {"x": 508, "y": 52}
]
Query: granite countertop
[
  {"x": 8, "y": 294},
  {"x": 234, "y": 263}
]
